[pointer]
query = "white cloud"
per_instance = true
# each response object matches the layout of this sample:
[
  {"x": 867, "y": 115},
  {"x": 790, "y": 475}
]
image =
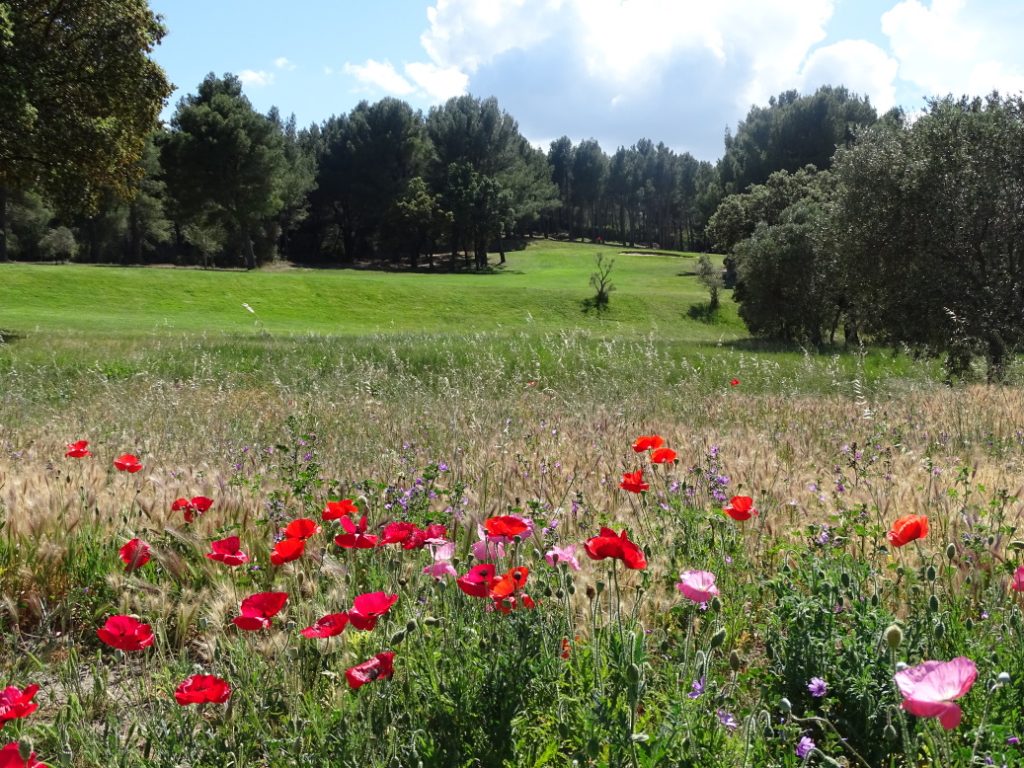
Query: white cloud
[
  {"x": 282, "y": 62},
  {"x": 958, "y": 47},
  {"x": 862, "y": 67},
  {"x": 438, "y": 83},
  {"x": 256, "y": 78},
  {"x": 380, "y": 75}
]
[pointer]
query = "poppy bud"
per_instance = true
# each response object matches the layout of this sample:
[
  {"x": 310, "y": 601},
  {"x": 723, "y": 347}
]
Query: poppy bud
[
  {"x": 398, "y": 637},
  {"x": 734, "y": 661},
  {"x": 411, "y": 625},
  {"x": 844, "y": 579},
  {"x": 600, "y": 587},
  {"x": 930, "y": 573},
  {"x": 893, "y": 636},
  {"x": 786, "y": 568},
  {"x": 547, "y": 591},
  {"x": 560, "y": 594},
  {"x": 716, "y": 604},
  {"x": 874, "y": 600},
  {"x": 933, "y": 603},
  {"x": 699, "y": 659},
  {"x": 718, "y": 638},
  {"x": 431, "y": 621},
  {"x": 591, "y": 594},
  {"x": 785, "y": 706},
  {"x": 1003, "y": 678},
  {"x": 633, "y": 674},
  {"x": 890, "y": 732},
  {"x": 968, "y": 580},
  {"x": 940, "y": 630},
  {"x": 572, "y": 590},
  {"x": 455, "y": 563},
  {"x": 969, "y": 624},
  {"x": 25, "y": 750},
  {"x": 402, "y": 581},
  {"x": 665, "y": 645},
  {"x": 950, "y": 550}
]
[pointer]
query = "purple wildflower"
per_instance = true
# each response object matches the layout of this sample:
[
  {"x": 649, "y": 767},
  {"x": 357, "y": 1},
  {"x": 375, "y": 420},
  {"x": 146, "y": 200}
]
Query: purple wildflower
[
  {"x": 817, "y": 687},
  {"x": 727, "y": 719},
  {"x": 698, "y": 688},
  {"x": 804, "y": 747}
]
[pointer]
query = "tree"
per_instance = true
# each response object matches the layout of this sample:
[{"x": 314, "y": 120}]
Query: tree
[
  {"x": 80, "y": 95},
  {"x": 710, "y": 277},
  {"x": 932, "y": 218},
  {"x": 225, "y": 163}
]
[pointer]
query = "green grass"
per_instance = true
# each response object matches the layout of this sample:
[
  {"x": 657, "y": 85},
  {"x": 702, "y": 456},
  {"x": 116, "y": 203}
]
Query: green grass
[{"x": 542, "y": 288}]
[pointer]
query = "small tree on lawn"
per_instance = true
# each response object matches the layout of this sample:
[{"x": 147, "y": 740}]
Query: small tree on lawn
[
  {"x": 601, "y": 282},
  {"x": 710, "y": 277}
]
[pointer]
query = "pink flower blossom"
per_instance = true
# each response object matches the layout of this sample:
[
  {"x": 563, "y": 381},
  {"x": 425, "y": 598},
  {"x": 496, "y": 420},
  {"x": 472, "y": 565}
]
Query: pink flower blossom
[
  {"x": 1018, "y": 580},
  {"x": 929, "y": 688},
  {"x": 442, "y": 566},
  {"x": 488, "y": 549},
  {"x": 698, "y": 586},
  {"x": 557, "y": 555}
]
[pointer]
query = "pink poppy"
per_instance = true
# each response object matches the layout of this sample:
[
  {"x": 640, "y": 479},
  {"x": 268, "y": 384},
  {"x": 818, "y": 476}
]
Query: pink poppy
[
  {"x": 698, "y": 586},
  {"x": 1018, "y": 580},
  {"x": 929, "y": 688},
  {"x": 442, "y": 565},
  {"x": 557, "y": 555},
  {"x": 477, "y": 582}
]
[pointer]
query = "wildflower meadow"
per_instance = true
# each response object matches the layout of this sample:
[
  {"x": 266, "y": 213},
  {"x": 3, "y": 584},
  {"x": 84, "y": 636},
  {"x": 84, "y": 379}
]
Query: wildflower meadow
[{"x": 537, "y": 549}]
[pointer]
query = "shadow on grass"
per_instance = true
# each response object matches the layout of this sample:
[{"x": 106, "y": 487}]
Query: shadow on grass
[
  {"x": 704, "y": 313},
  {"x": 8, "y": 337},
  {"x": 594, "y": 305}
]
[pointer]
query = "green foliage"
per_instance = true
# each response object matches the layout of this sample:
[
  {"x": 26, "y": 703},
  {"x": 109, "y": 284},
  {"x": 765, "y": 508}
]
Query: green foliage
[{"x": 80, "y": 95}]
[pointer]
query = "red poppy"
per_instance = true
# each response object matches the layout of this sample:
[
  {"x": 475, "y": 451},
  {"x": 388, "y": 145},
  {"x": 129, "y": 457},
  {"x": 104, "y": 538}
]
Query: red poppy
[
  {"x": 566, "y": 648},
  {"x": 740, "y": 508},
  {"x": 193, "y": 507},
  {"x": 512, "y": 602},
  {"x": 398, "y": 532},
  {"x": 10, "y": 757},
  {"x": 126, "y": 633},
  {"x": 647, "y": 443},
  {"x": 380, "y": 667},
  {"x": 663, "y": 456},
  {"x": 330, "y": 625},
  {"x": 355, "y": 536},
  {"x": 303, "y": 529},
  {"x": 287, "y": 550},
  {"x": 16, "y": 703},
  {"x": 618, "y": 546},
  {"x": 78, "y": 450},
  {"x": 202, "y": 689},
  {"x": 506, "y": 525},
  {"x": 135, "y": 554},
  {"x": 127, "y": 463},
  {"x": 510, "y": 583},
  {"x": 367, "y": 608},
  {"x": 907, "y": 529},
  {"x": 227, "y": 551},
  {"x": 477, "y": 582},
  {"x": 634, "y": 482},
  {"x": 734, "y": 383},
  {"x": 258, "y": 609},
  {"x": 335, "y": 510}
]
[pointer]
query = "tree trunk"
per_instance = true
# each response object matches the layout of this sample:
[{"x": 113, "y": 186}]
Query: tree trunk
[
  {"x": 247, "y": 251},
  {"x": 3, "y": 223},
  {"x": 501, "y": 248}
]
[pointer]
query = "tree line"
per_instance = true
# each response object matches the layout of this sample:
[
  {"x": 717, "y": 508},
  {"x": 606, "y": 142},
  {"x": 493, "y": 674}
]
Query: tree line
[
  {"x": 914, "y": 237},
  {"x": 224, "y": 185}
]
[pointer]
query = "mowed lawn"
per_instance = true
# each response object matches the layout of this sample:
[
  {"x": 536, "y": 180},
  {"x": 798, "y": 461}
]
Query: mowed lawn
[{"x": 542, "y": 288}]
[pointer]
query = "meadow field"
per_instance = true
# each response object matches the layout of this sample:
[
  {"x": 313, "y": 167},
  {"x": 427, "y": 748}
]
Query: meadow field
[{"x": 487, "y": 426}]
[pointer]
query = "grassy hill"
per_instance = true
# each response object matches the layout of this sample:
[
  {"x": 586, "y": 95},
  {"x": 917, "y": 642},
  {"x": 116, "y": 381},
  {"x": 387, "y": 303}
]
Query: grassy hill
[{"x": 542, "y": 288}]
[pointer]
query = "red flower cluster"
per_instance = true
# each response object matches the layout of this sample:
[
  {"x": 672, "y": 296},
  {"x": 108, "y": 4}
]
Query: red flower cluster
[
  {"x": 259, "y": 609},
  {"x": 127, "y": 463},
  {"x": 126, "y": 633},
  {"x": 740, "y": 508},
  {"x": 906, "y": 529},
  {"x": 506, "y": 591},
  {"x": 618, "y": 546},
  {"x": 10, "y": 757},
  {"x": 634, "y": 482},
  {"x": 16, "y": 703},
  {"x": 78, "y": 449},
  {"x": 410, "y": 535},
  {"x": 193, "y": 507},
  {"x": 648, "y": 443},
  {"x": 202, "y": 689},
  {"x": 380, "y": 667},
  {"x": 294, "y": 543},
  {"x": 335, "y": 510},
  {"x": 228, "y": 551},
  {"x": 135, "y": 554}
]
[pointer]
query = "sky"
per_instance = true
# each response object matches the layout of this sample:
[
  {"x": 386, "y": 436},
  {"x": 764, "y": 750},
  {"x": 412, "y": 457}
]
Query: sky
[{"x": 677, "y": 71}]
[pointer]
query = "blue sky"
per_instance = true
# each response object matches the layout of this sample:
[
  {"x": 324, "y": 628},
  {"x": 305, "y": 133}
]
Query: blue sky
[{"x": 678, "y": 71}]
